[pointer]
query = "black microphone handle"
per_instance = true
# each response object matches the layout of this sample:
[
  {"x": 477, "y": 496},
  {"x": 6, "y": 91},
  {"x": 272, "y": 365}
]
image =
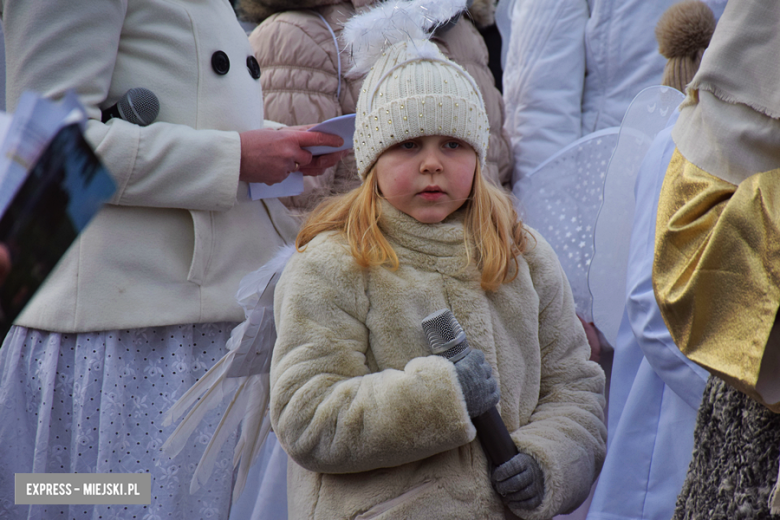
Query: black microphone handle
[
  {"x": 494, "y": 437},
  {"x": 447, "y": 339},
  {"x": 109, "y": 113}
]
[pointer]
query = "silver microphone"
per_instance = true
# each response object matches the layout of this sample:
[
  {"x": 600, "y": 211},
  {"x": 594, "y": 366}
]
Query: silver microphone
[
  {"x": 447, "y": 339},
  {"x": 445, "y": 335},
  {"x": 139, "y": 106}
]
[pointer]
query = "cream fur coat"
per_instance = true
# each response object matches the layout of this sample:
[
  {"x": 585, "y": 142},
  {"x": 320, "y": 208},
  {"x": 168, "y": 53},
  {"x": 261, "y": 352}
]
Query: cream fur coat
[{"x": 378, "y": 428}]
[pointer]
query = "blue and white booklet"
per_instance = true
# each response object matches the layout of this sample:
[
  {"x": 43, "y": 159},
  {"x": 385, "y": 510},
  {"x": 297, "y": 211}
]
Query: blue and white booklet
[{"x": 51, "y": 185}]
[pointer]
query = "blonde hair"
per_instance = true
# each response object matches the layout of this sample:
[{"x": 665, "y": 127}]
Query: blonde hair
[{"x": 491, "y": 221}]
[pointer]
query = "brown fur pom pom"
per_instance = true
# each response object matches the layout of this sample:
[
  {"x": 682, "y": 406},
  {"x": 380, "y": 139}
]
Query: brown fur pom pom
[{"x": 685, "y": 29}]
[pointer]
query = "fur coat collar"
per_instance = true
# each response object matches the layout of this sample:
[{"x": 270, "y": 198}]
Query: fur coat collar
[
  {"x": 445, "y": 239},
  {"x": 481, "y": 11}
]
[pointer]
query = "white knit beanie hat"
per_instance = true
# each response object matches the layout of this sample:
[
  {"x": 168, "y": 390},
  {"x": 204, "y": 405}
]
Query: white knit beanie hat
[{"x": 412, "y": 89}]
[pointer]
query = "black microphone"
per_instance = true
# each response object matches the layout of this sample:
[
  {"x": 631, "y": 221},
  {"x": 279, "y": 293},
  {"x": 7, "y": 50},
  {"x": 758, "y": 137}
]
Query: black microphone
[
  {"x": 138, "y": 106},
  {"x": 446, "y": 338}
]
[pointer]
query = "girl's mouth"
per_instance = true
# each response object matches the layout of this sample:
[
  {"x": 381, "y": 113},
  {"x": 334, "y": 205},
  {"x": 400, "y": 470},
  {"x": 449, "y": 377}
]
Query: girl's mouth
[{"x": 431, "y": 193}]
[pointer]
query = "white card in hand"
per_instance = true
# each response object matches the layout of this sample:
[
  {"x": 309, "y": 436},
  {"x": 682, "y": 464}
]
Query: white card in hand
[{"x": 342, "y": 126}]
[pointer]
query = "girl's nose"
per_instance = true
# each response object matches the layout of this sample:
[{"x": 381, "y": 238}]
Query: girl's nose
[{"x": 430, "y": 162}]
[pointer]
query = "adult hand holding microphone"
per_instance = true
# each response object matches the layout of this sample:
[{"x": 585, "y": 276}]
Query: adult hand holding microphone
[{"x": 517, "y": 476}]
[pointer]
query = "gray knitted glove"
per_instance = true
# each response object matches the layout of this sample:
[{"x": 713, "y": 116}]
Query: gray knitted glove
[
  {"x": 477, "y": 382},
  {"x": 520, "y": 482}
]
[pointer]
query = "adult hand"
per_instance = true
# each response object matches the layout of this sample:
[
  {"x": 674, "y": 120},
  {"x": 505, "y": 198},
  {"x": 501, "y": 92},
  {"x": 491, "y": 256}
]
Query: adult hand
[
  {"x": 269, "y": 155},
  {"x": 520, "y": 482}
]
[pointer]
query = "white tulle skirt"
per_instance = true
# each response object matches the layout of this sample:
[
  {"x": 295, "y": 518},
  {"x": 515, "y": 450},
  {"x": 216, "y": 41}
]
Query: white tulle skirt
[{"x": 95, "y": 402}]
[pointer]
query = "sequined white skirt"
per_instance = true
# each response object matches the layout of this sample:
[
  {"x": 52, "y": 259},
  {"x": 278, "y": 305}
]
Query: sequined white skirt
[{"x": 94, "y": 403}]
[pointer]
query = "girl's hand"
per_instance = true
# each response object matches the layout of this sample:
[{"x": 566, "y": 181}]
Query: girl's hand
[
  {"x": 480, "y": 388},
  {"x": 269, "y": 155},
  {"x": 520, "y": 482}
]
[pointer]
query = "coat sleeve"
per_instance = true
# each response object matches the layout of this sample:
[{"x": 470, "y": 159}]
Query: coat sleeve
[
  {"x": 682, "y": 375},
  {"x": 55, "y": 46},
  {"x": 331, "y": 413},
  {"x": 566, "y": 433}
]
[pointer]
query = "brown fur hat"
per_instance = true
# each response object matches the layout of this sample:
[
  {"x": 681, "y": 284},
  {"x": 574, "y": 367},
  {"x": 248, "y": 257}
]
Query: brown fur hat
[
  {"x": 255, "y": 11},
  {"x": 683, "y": 33},
  {"x": 483, "y": 12}
]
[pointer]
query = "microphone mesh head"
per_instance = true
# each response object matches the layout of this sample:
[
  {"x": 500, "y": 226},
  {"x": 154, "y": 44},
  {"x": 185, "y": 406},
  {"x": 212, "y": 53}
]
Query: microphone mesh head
[
  {"x": 445, "y": 335},
  {"x": 139, "y": 106}
]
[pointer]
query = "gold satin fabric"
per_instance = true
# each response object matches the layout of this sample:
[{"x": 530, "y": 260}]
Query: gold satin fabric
[{"x": 717, "y": 268}]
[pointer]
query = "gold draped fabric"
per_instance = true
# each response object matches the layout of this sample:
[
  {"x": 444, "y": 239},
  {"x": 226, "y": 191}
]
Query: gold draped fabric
[{"x": 717, "y": 269}]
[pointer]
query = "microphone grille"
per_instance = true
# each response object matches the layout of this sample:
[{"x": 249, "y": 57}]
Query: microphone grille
[
  {"x": 139, "y": 106},
  {"x": 445, "y": 335}
]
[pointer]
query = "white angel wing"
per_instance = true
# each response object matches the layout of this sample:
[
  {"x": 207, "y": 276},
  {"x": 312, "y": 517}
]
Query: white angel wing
[
  {"x": 561, "y": 198},
  {"x": 647, "y": 115},
  {"x": 243, "y": 374}
]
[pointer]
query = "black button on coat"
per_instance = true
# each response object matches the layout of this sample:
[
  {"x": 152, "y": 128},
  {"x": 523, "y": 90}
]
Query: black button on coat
[{"x": 220, "y": 63}]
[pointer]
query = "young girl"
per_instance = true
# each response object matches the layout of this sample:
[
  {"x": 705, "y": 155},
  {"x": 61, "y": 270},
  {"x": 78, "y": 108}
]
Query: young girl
[{"x": 377, "y": 427}]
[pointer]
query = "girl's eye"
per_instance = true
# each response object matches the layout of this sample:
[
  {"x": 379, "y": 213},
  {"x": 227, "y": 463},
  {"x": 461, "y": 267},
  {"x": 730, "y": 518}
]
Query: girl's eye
[
  {"x": 452, "y": 145},
  {"x": 407, "y": 145}
]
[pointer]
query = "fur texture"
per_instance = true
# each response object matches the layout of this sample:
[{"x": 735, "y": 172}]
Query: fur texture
[
  {"x": 367, "y": 35},
  {"x": 255, "y": 11},
  {"x": 735, "y": 458},
  {"x": 683, "y": 33},
  {"x": 685, "y": 29},
  {"x": 372, "y": 421},
  {"x": 483, "y": 12}
]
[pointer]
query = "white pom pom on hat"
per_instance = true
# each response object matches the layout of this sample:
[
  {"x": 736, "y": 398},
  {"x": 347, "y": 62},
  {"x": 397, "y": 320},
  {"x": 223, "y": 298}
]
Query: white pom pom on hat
[{"x": 411, "y": 89}]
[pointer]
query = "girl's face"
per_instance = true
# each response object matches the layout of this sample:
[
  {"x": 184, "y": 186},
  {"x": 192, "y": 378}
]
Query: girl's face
[{"x": 427, "y": 177}]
